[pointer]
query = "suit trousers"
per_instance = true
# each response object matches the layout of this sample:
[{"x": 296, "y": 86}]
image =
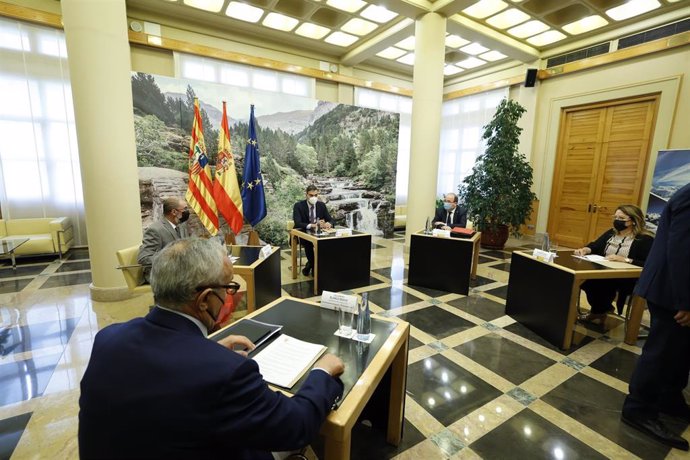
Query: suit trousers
[{"x": 661, "y": 372}]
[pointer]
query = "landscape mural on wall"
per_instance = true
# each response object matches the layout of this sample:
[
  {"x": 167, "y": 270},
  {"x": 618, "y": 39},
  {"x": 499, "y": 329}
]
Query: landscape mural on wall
[
  {"x": 349, "y": 152},
  {"x": 671, "y": 172}
]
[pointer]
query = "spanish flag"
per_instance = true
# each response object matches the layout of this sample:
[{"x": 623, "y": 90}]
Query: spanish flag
[
  {"x": 200, "y": 191},
  {"x": 226, "y": 188}
]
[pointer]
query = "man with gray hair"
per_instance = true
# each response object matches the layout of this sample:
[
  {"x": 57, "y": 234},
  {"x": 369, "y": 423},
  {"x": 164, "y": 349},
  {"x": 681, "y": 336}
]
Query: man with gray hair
[
  {"x": 163, "y": 232},
  {"x": 157, "y": 387}
]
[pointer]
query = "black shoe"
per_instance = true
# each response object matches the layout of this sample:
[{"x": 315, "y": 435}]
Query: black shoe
[
  {"x": 307, "y": 268},
  {"x": 681, "y": 413},
  {"x": 657, "y": 430}
]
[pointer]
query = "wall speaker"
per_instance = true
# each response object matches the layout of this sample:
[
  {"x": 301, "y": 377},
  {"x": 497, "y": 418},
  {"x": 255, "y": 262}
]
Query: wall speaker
[{"x": 530, "y": 78}]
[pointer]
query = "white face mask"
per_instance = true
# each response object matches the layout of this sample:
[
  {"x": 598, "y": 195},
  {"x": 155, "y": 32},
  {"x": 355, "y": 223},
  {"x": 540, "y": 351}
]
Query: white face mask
[{"x": 313, "y": 200}]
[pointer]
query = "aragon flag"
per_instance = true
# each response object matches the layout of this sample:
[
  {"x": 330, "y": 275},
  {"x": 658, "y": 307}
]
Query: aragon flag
[
  {"x": 226, "y": 188},
  {"x": 200, "y": 190}
]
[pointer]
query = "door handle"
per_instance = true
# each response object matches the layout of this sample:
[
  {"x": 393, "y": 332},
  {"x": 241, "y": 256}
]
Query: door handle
[
  {"x": 594, "y": 208},
  {"x": 589, "y": 207}
]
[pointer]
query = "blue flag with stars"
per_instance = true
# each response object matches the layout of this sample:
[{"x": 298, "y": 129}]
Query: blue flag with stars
[{"x": 253, "y": 198}]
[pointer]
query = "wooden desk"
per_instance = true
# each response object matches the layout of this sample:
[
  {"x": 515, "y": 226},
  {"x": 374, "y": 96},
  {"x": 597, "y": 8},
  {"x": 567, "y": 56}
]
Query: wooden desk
[
  {"x": 262, "y": 275},
  {"x": 375, "y": 377},
  {"x": 442, "y": 263},
  {"x": 340, "y": 263},
  {"x": 543, "y": 296}
]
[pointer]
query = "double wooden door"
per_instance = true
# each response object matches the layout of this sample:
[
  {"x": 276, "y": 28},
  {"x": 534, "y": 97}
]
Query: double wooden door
[{"x": 601, "y": 160}]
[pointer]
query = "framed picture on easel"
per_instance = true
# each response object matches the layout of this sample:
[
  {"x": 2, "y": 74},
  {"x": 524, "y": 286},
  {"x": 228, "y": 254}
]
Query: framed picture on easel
[{"x": 671, "y": 172}]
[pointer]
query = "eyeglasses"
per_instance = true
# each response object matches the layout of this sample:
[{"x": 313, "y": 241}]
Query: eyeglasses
[{"x": 231, "y": 288}]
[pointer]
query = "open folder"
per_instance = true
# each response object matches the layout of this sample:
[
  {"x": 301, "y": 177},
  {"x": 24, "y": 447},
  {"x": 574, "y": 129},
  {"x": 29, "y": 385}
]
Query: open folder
[{"x": 256, "y": 331}]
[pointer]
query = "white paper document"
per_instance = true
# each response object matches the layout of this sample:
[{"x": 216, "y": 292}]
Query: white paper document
[
  {"x": 286, "y": 359},
  {"x": 601, "y": 260}
]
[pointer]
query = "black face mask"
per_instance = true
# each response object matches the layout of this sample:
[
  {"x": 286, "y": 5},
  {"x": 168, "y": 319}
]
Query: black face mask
[
  {"x": 619, "y": 225},
  {"x": 184, "y": 216}
]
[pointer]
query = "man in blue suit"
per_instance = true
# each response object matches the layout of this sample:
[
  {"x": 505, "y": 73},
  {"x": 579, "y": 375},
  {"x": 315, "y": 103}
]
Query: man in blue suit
[
  {"x": 451, "y": 215},
  {"x": 305, "y": 215},
  {"x": 662, "y": 371},
  {"x": 156, "y": 387}
]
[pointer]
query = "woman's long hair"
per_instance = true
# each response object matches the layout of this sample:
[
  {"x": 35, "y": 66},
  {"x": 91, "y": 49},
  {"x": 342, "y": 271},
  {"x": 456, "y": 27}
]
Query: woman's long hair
[{"x": 637, "y": 218}]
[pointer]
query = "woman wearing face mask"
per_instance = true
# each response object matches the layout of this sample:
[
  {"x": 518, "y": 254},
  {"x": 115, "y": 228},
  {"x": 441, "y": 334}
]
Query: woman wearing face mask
[{"x": 628, "y": 241}]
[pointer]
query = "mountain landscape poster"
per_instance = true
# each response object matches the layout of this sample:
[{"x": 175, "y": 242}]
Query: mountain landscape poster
[
  {"x": 348, "y": 152},
  {"x": 671, "y": 172}
]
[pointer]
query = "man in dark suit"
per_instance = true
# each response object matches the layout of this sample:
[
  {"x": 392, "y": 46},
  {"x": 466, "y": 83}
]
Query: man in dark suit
[
  {"x": 451, "y": 215},
  {"x": 156, "y": 387},
  {"x": 163, "y": 231},
  {"x": 662, "y": 370},
  {"x": 306, "y": 214}
]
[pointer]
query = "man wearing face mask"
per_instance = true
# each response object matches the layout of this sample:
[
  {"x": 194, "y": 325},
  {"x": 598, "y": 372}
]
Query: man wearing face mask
[
  {"x": 451, "y": 215},
  {"x": 156, "y": 387},
  {"x": 306, "y": 214},
  {"x": 162, "y": 232}
]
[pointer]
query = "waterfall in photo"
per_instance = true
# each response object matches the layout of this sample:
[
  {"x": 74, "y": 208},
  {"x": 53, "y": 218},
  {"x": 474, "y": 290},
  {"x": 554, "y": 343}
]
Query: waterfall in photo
[{"x": 359, "y": 213}]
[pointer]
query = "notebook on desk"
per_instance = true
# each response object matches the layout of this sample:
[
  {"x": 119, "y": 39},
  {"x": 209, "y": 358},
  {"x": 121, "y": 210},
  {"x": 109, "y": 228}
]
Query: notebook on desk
[
  {"x": 256, "y": 331},
  {"x": 461, "y": 232}
]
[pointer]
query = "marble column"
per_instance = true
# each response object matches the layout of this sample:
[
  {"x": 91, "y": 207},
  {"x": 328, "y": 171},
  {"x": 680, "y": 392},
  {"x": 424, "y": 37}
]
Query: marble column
[{"x": 99, "y": 65}]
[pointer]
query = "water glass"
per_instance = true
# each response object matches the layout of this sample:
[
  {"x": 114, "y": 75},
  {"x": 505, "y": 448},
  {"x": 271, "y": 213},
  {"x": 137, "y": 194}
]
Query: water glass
[
  {"x": 345, "y": 321},
  {"x": 553, "y": 248}
]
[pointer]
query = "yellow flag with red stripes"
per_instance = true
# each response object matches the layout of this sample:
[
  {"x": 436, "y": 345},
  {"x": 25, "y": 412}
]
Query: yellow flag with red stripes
[{"x": 226, "y": 188}]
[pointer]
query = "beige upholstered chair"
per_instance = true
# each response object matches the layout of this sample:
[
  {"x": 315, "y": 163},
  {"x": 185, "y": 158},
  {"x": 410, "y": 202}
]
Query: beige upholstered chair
[{"x": 132, "y": 271}]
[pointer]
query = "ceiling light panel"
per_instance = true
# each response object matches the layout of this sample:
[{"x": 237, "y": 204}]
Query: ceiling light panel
[
  {"x": 453, "y": 41},
  {"x": 244, "y": 12},
  {"x": 546, "y": 38},
  {"x": 359, "y": 26},
  {"x": 391, "y": 53},
  {"x": 450, "y": 69},
  {"x": 347, "y": 5},
  {"x": 470, "y": 63},
  {"x": 310, "y": 30},
  {"x": 407, "y": 44},
  {"x": 407, "y": 59},
  {"x": 485, "y": 8},
  {"x": 493, "y": 56},
  {"x": 585, "y": 24},
  {"x": 474, "y": 48},
  {"x": 378, "y": 14},
  {"x": 341, "y": 39},
  {"x": 528, "y": 29},
  {"x": 508, "y": 18},
  {"x": 206, "y": 5},
  {"x": 632, "y": 8},
  {"x": 279, "y": 22}
]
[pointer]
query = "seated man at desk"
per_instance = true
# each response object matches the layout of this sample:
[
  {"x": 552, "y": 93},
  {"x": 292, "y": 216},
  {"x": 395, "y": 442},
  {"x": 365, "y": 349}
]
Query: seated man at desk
[
  {"x": 307, "y": 214},
  {"x": 163, "y": 231},
  {"x": 157, "y": 387},
  {"x": 451, "y": 215}
]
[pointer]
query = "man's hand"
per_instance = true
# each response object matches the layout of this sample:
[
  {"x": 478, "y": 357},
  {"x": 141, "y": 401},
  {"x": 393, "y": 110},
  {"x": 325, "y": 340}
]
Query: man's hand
[
  {"x": 331, "y": 364},
  {"x": 683, "y": 318},
  {"x": 238, "y": 343},
  {"x": 325, "y": 225}
]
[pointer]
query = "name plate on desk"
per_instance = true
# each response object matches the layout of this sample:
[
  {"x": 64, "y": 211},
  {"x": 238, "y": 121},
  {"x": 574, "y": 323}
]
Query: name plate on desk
[
  {"x": 544, "y": 256},
  {"x": 441, "y": 233},
  {"x": 266, "y": 251},
  {"x": 338, "y": 301},
  {"x": 343, "y": 232}
]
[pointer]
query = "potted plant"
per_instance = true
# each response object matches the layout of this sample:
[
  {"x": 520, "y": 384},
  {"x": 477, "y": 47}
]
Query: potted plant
[{"x": 498, "y": 192}]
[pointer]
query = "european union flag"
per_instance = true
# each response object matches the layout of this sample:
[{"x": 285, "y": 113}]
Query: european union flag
[{"x": 253, "y": 198}]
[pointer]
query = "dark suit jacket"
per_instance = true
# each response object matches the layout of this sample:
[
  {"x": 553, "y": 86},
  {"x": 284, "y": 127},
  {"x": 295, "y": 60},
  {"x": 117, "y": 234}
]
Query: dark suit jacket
[
  {"x": 665, "y": 279},
  {"x": 639, "y": 249},
  {"x": 300, "y": 214},
  {"x": 156, "y": 237},
  {"x": 459, "y": 217},
  {"x": 155, "y": 387}
]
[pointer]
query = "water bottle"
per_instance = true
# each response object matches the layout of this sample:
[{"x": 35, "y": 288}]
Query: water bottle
[
  {"x": 546, "y": 244},
  {"x": 364, "y": 318},
  {"x": 427, "y": 227}
]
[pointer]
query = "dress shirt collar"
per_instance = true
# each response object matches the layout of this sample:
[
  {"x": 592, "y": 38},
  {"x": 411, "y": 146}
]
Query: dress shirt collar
[{"x": 199, "y": 324}]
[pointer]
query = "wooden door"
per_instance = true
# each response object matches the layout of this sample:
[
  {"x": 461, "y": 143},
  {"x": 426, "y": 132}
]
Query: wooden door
[{"x": 602, "y": 154}]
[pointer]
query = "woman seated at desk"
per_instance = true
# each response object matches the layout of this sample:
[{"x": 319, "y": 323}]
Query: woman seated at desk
[{"x": 628, "y": 241}]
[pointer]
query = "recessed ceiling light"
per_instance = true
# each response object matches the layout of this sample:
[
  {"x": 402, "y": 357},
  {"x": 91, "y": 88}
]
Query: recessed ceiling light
[
  {"x": 279, "y": 21},
  {"x": 450, "y": 69},
  {"x": 585, "y": 24},
  {"x": 528, "y": 29},
  {"x": 453, "y": 41},
  {"x": 206, "y": 5},
  {"x": 341, "y": 39},
  {"x": 470, "y": 63},
  {"x": 493, "y": 56},
  {"x": 546, "y": 38},
  {"x": 407, "y": 59},
  {"x": 378, "y": 13},
  {"x": 632, "y": 8},
  {"x": 407, "y": 44},
  {"x": 359, "y": 26},
  {"x": 309, "y": 30},
  {"x": 485, "y": 8},
  {"x": 508, "y": 18},
  {"x": 244, "y": 12},
  {"x": 347, "y": 5},
  {"x": 391, "y": 53},
  {"x": 474, "y": 48}
]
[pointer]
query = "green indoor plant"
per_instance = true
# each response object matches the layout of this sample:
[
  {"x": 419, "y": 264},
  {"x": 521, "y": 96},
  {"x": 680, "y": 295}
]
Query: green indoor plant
[{"x": 498, "y": 192}]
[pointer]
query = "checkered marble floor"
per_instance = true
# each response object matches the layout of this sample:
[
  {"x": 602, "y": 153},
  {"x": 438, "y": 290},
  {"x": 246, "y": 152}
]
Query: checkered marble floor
[{"x": 479, "y": 384}]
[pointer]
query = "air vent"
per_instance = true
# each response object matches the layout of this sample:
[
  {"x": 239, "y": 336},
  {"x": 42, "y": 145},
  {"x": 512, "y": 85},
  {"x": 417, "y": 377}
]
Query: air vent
[
  {"x": 595, "y": 50},
  {"x": 654, "y": 34}
]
